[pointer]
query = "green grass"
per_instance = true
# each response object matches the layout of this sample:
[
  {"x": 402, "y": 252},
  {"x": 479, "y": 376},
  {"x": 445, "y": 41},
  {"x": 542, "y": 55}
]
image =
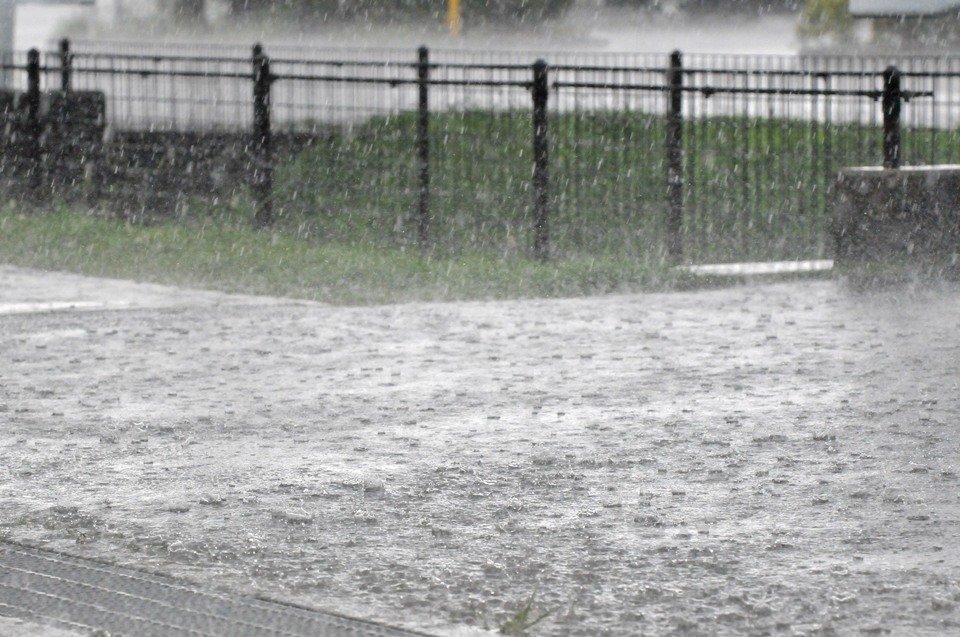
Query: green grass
[
  {"x": 525, "y": 619},
  {"x": 219, "y": 254},
  {"x": 755, "y": 188}
]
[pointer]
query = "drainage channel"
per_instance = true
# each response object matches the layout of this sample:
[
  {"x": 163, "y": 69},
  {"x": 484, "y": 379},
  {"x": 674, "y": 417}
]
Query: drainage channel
[{"x": 85, "y": 595}]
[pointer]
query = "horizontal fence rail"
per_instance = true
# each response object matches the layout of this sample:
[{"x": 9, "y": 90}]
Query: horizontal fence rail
[{"x": 663, "y": 157}]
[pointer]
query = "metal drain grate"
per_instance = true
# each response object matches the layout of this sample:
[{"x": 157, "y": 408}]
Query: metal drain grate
[{"x": 69, "y": 592}]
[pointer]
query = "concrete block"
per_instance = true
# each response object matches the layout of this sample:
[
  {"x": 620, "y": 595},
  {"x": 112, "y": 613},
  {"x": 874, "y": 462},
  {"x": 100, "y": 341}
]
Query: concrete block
[{"x": 906, "y": 217}]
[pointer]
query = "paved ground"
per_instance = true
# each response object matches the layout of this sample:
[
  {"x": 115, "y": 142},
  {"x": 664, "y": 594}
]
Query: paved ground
[
  {"x": 12, "y": 627},
  {"x": 766, "y": 459},
  {"x": 85, "y": 596}
]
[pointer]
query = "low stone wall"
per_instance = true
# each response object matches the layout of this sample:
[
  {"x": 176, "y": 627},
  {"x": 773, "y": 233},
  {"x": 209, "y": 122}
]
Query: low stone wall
[
  {"x": 137, "y": 175},
  {"x": 897, "y": 218},
  {"x": 55, "y": 155}
]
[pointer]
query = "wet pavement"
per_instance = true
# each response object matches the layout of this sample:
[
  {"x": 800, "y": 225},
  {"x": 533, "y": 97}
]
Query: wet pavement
[
  {"x": 82, "y": 596},
  {"x": 776, "y": 458}
]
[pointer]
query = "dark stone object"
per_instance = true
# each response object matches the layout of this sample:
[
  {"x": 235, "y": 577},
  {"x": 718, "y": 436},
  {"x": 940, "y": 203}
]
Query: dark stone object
[
  {"x": 897, "y": 218},
  {"x": 61, "y": 152},
  {"x": 74, "y": 128}
]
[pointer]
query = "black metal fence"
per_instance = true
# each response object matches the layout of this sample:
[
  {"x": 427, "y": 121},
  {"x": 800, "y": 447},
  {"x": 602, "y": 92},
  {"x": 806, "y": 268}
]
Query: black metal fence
[{"x": 697, "y": 158}]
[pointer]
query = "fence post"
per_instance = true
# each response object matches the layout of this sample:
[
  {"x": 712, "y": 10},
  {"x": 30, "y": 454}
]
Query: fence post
[
  {"x": 892, "y": 100},
  {"x": 674, "y": 144},
  {"x": 66, "y": 64},
  {"x": 423, "y": 147},
  {"x": 33, "y": 125},
  {"x": 541, "y": 176},
  {"x": 262, "y": 151}
]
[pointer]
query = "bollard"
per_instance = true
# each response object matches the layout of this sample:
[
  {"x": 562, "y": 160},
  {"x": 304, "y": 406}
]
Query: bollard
[
  {"x": 892, "y": 101},
  {"x": 34, "y": 129},
  {"x": 541, "y": 177},
  {"x": 674, "y": 143},
  {"x": 263, "y": 155},
  {"x": 423, "y": 147},
  {"x": 66, "y": 65}
]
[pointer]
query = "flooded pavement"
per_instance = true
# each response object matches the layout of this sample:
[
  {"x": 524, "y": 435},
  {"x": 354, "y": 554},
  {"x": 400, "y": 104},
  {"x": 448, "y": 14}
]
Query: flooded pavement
[
  {"x": 775, "y": 458},
  {"x": 86, "y": 596}
]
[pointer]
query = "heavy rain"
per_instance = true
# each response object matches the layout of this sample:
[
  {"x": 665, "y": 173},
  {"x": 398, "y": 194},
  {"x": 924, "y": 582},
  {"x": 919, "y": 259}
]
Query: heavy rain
[{"x": 517, "y": 317}]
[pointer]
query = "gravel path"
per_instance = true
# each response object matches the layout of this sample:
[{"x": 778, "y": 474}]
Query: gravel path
[{"x": 766, "y": 459}]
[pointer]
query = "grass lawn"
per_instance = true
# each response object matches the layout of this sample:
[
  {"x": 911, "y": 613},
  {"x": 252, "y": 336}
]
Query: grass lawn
[
  {"x": 753, "y": 188},
  {"x": 234, "y": 258}
]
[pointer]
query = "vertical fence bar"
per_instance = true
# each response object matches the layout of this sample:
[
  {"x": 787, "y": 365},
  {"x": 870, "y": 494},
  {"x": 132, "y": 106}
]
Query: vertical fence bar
[
  {"x": 33, "y": 125},
  {"x": 674, "y": 144},
  {"x": 423, "y": 147},
  {"x": 541, "y": 177},
  {"x": 892, "y": 101},
  {"x": 66, "y": 65},
  {"x": 263, "y": 156}
]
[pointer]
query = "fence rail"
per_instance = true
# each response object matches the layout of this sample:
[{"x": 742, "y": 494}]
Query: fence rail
[{"x": 703, "y": 158}]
